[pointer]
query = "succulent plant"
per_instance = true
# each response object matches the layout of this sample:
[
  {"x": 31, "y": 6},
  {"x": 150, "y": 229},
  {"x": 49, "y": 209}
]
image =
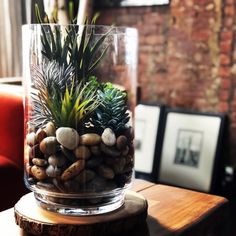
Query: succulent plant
[{"x": 112, "y": 113}]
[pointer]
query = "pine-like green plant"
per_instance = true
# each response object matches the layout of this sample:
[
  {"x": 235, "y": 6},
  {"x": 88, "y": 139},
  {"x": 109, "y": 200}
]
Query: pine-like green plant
[{"x": 112, "y": 113}]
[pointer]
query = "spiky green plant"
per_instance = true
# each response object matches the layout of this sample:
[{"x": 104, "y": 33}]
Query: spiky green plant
[
  {"x": 112, "y": 113},
  {"x": 57, "y": 99},
  {"x": 65, "y": 91},
  {"x": 79, "y": 47}
]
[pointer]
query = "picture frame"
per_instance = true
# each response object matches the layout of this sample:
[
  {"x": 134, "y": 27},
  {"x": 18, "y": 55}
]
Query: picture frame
[
  {"x": 148, "y": 119},
  {"x": 129, "y": 3},
  {"x": 191, "y": 149}
]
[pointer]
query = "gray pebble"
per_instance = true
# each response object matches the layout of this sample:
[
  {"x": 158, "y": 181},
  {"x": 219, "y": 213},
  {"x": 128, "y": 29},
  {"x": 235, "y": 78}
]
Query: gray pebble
[
  {"x": 53, "y": 171},
  {"x": 108, "y": 137},
  {"x": 57, "y": 160},
  {"x": 67, "y": 137},
  {"x": 31, "y": 139}
]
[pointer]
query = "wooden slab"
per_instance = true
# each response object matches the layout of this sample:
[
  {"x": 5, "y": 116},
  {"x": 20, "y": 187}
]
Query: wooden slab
[{"x": 33, "y": 219}]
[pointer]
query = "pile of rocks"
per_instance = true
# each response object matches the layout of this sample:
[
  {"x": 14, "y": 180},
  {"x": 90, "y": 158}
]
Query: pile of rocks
[{"x": 61, "y": 160}]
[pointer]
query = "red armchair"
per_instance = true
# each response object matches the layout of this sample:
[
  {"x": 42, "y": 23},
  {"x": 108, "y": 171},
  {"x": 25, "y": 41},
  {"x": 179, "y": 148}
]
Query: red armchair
[{"x": 11, "y": 145}]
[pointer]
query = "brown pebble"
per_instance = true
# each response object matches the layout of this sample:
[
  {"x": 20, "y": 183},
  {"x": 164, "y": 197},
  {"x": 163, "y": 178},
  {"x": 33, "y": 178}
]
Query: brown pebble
[
  {"x": 39, "y": 162},
  {"x": 40, "y": 135},
  {"x": 125, "y": 151},
  {"x": 48, "y": 145},
  {"x": 121, "y": 142},
  {"x": 35, "y": 152},
  {"x": 85, "y": 176},
  {"x": 110, "y": 151},
  {"x": 90, "y": 139},
  {"x": 95, "y": 150},
  {"x": 38, "y": 172},
  {"x": 73, "y": 170},
  {"x": 82, "y": 152},
  {"x": 50, "y": 129},
  {"x": 129, "y": 133},
  {"x": 106, "y": 172}
]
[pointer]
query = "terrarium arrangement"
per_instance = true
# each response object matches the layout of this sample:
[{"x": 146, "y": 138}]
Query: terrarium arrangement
[{"x": 79, "y": 152}]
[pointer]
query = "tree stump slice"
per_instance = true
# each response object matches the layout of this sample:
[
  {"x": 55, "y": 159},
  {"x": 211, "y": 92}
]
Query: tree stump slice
[{"x": 35, "y": 220}]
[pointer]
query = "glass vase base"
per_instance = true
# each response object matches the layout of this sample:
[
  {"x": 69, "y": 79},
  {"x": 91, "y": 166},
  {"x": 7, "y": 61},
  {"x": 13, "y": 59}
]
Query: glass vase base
[{"x": 80, "y": 207}]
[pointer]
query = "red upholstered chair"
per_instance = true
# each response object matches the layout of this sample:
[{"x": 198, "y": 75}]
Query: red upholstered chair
[{"x": 11, "y": 145}]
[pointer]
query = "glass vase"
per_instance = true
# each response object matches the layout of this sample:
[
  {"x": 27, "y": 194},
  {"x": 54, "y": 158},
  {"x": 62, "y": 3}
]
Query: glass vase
[{"x": 80, "y": 94}]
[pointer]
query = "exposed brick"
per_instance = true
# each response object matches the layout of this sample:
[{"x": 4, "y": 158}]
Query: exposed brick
[
  {"x": 224, "y": 72},
  {"x": 228, "y": 22},
  {"x": 202, "y": 35},
  {"x": 224, "y": 59},
  {"x": 225, "y": 83},
  {"x": 229, "y": 2},
  {"x": 155, "y": 39},
  {"x": 226, "y": 36},
  {"x": 224, "y": 95},
  {"x": 225, "y": 47},
  {"x": 223, "y": 107},
  {"x": 229, "y": 10}
]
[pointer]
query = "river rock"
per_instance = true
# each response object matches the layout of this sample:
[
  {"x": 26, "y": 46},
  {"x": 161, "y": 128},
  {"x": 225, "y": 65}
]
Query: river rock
[
  {"x": 108, "y": 137},
  {"x": 48, "y": 145},
  {"x": 110, "y": 151},
  {"x": 98, "y": 184},
  {"x": 106, "y": 172},
  {"x": 82, "y": 152},
  {"x": 39, "y": 162},
  {"x": 40, "y": 135},
  {"x": 68, "y": 154},
  {"x": 121, "y": 142},
  {"x": 94, "y": 162},
  {"x": 67, "y": 137},
  {"x": 85, "y": 176},
  {"x": 129, "y": 133},
  {"x": 38, "y": 172},
  {"x": 53, "y": 171},
  {"x": 73, "y": 170},
  {"x": 35, "y": 152},
  {"x": 50, "y": 129},
  {"x": 125, "y": 151},
  {"x": 58, "y": 160},
  {"x": 95, "y": 150},
  {"x": 31, "y": 139},
  {"x": 90, "y": 139},
  {"x": 118, "y": 167},
  {"x": 47, "y": 186}
]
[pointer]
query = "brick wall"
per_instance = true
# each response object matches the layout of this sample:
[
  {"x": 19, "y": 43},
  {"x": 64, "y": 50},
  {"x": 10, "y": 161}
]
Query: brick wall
[{"x": 187, "y": 55}]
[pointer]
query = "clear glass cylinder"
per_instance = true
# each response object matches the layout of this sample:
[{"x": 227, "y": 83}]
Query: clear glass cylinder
[{"x": 80, "y": 94}]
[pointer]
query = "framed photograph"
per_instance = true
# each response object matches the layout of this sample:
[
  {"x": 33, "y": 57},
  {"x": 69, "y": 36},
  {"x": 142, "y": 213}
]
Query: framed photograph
[
  {"x": 129, "y": 3},
  {"x": 147, "y": 125},
  {"x": 191, "y": 149}
]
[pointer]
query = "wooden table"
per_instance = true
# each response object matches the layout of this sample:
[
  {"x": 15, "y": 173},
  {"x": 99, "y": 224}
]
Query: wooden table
[{"x": 171, "y": 211}]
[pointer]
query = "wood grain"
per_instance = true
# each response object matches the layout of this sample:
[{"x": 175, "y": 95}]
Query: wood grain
[
  {"x": 33, "y": 219},
  {"x": 172, "y": 211}
]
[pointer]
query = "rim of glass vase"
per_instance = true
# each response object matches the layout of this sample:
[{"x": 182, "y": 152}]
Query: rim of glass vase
[{"x": 116, "y": 29}]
